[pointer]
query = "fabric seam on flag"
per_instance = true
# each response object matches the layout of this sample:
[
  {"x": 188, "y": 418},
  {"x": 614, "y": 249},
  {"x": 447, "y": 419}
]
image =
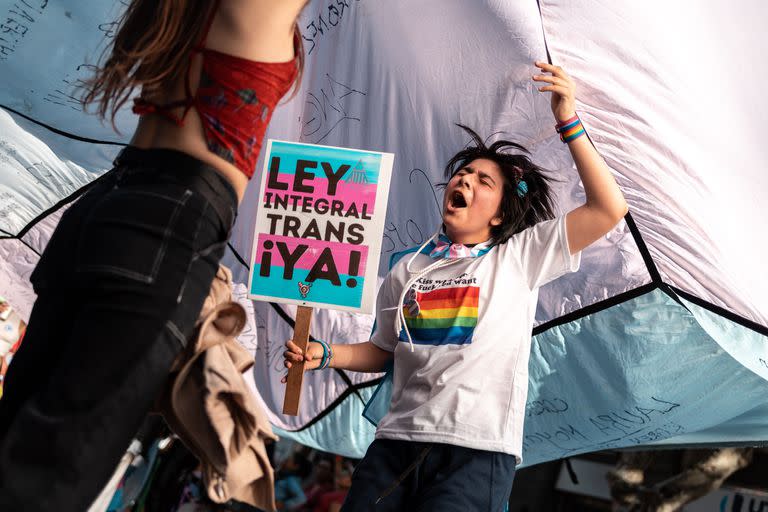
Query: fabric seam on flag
[{"x": 62, "y": 132}]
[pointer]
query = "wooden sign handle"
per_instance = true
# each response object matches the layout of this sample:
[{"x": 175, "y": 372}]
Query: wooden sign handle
[{"x": 296, "y": 371}]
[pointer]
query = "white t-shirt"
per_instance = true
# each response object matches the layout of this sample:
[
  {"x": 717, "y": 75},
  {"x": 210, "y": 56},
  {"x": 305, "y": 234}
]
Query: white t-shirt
[{"x": 466, "y": 381}]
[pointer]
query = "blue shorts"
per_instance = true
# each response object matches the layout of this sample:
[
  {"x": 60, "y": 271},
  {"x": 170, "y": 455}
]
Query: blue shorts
[{"x": 409, "y": 476}]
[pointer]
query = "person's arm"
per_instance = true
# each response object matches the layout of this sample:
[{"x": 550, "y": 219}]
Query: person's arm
[
  {"x": 358, "y": 357},
  {"x": 605, "y": 205},
  {"x": 368, "y": 356}
]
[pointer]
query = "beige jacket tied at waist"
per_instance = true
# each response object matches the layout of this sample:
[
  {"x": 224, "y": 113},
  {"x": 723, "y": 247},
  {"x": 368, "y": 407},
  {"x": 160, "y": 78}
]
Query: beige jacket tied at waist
[{"x": 208, "y": 404}]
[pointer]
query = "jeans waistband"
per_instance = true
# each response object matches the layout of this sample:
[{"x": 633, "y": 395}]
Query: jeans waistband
[{"x": 185, "y": 170}]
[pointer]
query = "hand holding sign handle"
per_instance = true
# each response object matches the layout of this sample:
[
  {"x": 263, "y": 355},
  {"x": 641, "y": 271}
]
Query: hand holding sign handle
[
  {"x": 317, "y": 238},
  {"x": 296, "y": 371}
]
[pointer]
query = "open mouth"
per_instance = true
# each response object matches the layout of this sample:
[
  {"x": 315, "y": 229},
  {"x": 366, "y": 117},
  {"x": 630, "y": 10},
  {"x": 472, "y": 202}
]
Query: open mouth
[{"x": 458, "y": 200}]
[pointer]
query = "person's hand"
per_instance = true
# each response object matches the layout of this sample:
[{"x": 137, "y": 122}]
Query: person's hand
[
  {"x": 312, "y": 358},
  {"x": 561, "y": 86}
]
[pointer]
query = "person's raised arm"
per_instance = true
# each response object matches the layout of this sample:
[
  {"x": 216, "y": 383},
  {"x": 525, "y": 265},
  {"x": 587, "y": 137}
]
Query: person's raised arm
[
  {"x": 605, "y": 205},
  {"x": 357, "y": 357}
]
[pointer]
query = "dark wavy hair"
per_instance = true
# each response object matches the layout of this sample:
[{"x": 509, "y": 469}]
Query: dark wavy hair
[{"x": 517, "y": 213}]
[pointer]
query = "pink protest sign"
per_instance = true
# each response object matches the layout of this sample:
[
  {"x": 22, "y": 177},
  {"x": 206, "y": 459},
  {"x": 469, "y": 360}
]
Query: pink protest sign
[{"x": 319, "y": 226}]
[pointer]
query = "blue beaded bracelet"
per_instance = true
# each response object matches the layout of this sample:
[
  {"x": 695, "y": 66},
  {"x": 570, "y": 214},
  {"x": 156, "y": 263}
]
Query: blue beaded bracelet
[
  {"x": 330, "y": 355},
  {"x": 325, "y": 362}
]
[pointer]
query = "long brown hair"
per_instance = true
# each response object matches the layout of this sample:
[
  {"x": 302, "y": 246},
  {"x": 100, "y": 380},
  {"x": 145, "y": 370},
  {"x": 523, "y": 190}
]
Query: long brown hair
[{"x": 150, "y": 50}]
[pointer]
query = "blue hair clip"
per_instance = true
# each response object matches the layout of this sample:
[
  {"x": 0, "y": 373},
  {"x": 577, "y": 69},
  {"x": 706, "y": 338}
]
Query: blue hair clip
[{"x": 522, "y": 188}]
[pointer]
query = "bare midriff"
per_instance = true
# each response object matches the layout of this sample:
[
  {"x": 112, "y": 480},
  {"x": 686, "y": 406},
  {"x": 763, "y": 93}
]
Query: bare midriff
[{"x": 155, "y": 131}]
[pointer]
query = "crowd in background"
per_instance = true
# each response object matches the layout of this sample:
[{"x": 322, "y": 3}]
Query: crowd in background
[
  {"x": 168, "y": 479},
  {"x": 311, "y": 481}
]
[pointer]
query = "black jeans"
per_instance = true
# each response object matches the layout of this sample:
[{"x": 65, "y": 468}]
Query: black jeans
[
  {"x": 120, "y": 286},
  {"x": 402, "y": 476}
]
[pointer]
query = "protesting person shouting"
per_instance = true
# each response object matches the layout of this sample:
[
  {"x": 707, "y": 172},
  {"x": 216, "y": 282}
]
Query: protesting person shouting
[{"x": 456, "y": 317}]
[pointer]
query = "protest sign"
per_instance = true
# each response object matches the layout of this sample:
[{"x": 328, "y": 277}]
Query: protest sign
[
  {"x": 318, "y": 234},
  {"x": 319, "y": 226}
]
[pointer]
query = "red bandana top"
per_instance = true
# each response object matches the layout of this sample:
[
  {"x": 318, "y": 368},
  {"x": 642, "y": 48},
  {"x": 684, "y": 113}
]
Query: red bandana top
[{"x": 235, "y": 100}]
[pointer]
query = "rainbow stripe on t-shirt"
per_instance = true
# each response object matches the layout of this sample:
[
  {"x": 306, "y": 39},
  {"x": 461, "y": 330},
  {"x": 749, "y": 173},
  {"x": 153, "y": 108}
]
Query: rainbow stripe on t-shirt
[{"x": 445, "y": 316}]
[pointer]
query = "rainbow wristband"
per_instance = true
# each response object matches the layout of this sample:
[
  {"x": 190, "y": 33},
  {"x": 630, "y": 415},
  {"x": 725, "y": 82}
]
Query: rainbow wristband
[{"x": 570, "y": 130}]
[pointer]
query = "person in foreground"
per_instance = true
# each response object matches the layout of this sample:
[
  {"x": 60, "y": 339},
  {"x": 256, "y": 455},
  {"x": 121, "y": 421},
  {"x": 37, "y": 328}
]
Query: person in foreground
[
  {"x": 122, "y": 280},
  {"x": 456, "y": 317}
]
